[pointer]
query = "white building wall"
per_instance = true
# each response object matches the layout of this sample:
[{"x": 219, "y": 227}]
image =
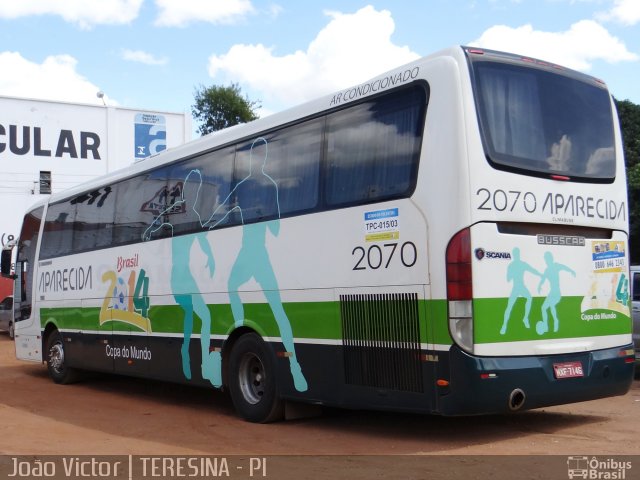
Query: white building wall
[{"x": 76, "y": 143}]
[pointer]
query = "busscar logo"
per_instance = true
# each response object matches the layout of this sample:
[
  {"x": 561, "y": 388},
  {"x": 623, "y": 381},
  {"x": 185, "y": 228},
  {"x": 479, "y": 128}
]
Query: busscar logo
[
  {"x": 561, "y": 240},
  {"x": 491, "y": 255}
]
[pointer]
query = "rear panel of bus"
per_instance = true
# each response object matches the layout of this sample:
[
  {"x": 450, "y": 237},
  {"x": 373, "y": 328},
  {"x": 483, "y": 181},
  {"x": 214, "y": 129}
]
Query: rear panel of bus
[{"x": 538, "y": 283}]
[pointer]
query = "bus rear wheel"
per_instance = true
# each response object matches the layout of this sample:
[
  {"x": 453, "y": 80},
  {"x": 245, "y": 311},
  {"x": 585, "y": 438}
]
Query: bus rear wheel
[
  {"x": 252, "y": 381},
  {"x": 57, "y": 366}
]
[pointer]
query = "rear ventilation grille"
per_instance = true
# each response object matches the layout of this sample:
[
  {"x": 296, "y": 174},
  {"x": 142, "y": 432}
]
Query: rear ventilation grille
[{"x": 381, "y": 338}]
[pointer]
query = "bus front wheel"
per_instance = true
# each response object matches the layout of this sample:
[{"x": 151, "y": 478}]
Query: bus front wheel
[
  {"x": 57, "y": 366},
  {"x": 252, "y": 381}
]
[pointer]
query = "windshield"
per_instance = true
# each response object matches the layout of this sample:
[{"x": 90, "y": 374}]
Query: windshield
[{"x": 535, "y": 120}]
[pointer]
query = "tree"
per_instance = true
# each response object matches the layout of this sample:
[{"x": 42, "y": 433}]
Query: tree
[
  {"x": 218, "y": 107},
  {"x": 629, "y": 115}
]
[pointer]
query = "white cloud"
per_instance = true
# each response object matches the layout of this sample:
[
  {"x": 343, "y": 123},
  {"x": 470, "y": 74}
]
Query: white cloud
[
  {"x": 274, "y": 10},
  {"x": 143, "y": 57},
  {"x": 585, "y": 42},
  {"x": 349, "y": 50},
  {"x": 81, "y": 12},
  {"x": 179, "y": 13},
  {"x": 626, "y": 12},
  {"x": 54, "y": 79}
]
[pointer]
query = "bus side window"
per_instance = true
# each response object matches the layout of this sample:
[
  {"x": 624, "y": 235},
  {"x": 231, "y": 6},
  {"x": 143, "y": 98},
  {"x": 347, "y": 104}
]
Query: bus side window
[
  {"x": 206, "y": 185},
  {"x": 293, "y": 162},
  {"x": 253, "y": 196},
  {"x": 636, "y": 287},
  {"x": 141, "y": 202},
  {"x": 93, "y": 226},
  {"x": 57, "y": 237},
  {"x": 278, "y": 174},
  {"x": 373, "y": 148}
]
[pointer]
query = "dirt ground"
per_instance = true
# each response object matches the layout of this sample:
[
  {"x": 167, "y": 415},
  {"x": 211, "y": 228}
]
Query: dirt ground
[{"x": 109, "y": 415}]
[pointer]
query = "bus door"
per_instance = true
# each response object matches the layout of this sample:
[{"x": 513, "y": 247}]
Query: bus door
[{"x": 27, "y": 329}]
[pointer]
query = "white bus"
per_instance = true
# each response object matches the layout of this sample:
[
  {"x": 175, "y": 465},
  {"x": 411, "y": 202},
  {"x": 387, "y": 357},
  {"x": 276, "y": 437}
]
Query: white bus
[{"x": 449, "y": 237}]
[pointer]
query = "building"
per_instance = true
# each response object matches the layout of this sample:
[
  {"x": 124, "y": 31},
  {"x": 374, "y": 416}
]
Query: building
[{"x": 48, "y": 146}]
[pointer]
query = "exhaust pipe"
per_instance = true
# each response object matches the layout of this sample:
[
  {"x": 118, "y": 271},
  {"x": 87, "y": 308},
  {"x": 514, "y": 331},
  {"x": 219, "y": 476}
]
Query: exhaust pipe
[{"x": 516, "y": 400}]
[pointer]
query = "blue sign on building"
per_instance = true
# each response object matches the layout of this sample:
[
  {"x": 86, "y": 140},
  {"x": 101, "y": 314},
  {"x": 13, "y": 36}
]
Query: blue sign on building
[{"x": 150, "y": 136}]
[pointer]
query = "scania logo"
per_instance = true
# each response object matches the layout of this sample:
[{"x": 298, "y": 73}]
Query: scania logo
[{"x": 488, "y": 254}]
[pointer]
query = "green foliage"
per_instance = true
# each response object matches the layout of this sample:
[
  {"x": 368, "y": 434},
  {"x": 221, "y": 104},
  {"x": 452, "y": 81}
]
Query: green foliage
[
  {"x": 219, "y": 107},
  {"x": 629, "y": 114}
]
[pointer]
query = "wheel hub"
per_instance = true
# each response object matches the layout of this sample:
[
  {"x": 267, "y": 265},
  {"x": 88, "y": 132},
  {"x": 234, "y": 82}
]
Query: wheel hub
[
  {"x": 251, "y": 373},
  {"x": 56, "y": 357}
]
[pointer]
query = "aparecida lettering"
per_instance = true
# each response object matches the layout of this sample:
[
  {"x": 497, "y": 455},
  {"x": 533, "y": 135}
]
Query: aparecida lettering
[
  {"x": 67, "y": 279},
  {"x": 587, "y": 207}
]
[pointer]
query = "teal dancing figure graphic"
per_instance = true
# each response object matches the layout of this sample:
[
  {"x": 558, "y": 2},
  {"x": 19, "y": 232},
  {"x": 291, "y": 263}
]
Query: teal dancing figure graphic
[
  {"x": 552, "y": 275},
  {"x": 515, "y": 274},
  {"x": 253, "y": 258},
  {"x": 184, "y": 286}
]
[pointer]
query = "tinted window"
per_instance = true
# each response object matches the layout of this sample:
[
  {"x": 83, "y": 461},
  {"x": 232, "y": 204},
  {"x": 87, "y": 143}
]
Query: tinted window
[
  {"x": 292, "y": 161},
  {"x": 200, "y": 188},
  {"x": 57, "y": 236},
  {"x": 140, "y": 201},
  {"x": 278, "y": 174},
  {"x": 636, "y": 286},
  {"x": 370, "y": 153},
  {"x": 373, "y": 148},
  {"x": 95, "y": 212},
  {"x": 254, "y": 196},
  {"x": 540, "y": 121}
]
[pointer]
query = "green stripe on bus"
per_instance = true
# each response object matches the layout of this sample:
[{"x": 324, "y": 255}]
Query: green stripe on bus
[
  {"x": 308, "y": 320},
  {"x": 315, "y": 320},
  {"x": 321, "y": 320},
  {"x": 489, "y": 317}
]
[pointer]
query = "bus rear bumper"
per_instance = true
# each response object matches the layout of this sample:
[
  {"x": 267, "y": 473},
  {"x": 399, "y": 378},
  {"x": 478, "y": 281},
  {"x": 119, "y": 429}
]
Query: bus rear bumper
[{"x": 481, "y": 385}]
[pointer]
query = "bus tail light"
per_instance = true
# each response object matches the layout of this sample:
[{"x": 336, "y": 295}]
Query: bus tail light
[
  {"x": 460, "y": 289},
  {"x": 629, "y": 354},
  {"x": 459, "y": 286}
]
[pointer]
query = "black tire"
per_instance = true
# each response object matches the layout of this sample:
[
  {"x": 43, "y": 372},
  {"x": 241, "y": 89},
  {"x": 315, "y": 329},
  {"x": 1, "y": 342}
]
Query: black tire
[
  {"x": 57, "y": 366},
  {"x": 12, "y": 331},
  {"x": 252, "y": 381}
]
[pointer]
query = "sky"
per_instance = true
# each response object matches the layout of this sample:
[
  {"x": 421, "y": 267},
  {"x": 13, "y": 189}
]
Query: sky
[{"x": 153, "y": 54}]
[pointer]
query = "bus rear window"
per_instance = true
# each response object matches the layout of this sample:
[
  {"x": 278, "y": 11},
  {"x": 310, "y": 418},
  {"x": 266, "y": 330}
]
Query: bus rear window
[{"x": 546, "y": 123}]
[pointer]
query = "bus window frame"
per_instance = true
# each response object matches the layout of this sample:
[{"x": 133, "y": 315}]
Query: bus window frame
[{"x": 512, "y": 60}]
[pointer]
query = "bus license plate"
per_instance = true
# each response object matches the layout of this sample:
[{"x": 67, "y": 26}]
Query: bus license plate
[{"x": 568, "y": 370}]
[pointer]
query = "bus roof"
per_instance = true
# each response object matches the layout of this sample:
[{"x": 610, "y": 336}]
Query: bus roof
[{"x": 309, "y": 109}]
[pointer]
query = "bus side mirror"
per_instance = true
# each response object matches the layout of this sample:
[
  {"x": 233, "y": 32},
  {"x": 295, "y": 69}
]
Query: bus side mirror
[{"x": 7, "y": 262}]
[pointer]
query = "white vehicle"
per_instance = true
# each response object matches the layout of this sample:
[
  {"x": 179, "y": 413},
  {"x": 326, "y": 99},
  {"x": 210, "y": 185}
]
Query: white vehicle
[
  {"x": 635, "y": 288},
  {"x": 6, "y": 315},
  {"x": 449, "y": 237}
]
